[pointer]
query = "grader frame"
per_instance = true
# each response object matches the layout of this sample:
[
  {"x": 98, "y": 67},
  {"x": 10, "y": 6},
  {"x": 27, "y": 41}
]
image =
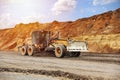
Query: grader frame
[{"x": 45, "y": 41}]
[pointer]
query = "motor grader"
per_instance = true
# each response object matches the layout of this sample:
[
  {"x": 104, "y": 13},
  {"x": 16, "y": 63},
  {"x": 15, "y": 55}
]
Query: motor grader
[{"x": 47, "y": 41}]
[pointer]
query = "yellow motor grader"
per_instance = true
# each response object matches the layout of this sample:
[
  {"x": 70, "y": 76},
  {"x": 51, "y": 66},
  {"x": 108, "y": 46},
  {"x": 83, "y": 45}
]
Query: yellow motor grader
[{"x": 47, "y": 41}]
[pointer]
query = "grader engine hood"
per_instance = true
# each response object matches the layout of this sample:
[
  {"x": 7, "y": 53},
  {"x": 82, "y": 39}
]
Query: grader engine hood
[{"x": 77, "y": 46}]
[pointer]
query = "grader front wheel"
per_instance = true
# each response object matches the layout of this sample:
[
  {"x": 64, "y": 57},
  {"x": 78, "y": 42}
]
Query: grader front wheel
[{"x": 60, "y": 51}]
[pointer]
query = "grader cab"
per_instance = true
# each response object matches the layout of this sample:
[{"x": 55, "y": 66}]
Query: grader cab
[{"x": 47, "y": 41}]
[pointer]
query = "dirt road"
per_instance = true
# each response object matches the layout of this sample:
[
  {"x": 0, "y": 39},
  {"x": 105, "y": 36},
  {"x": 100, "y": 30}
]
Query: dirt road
[{"x": 86, "y": 67}]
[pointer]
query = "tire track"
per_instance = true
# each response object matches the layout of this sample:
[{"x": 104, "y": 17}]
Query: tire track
[{"x": 47, "y": 73}]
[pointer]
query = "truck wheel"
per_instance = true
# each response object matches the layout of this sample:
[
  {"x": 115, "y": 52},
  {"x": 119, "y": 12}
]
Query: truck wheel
[
  {"x": 60, "y": 51},
  {"x": 76, "y": 54},
  {"x": 23, "y": 50},
  {"x": 30, "y": 50}
]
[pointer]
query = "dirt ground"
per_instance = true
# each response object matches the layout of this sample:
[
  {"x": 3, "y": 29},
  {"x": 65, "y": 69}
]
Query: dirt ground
[
  {"x": 24, "y": 76},
  {"x": 88, "y": 66}
]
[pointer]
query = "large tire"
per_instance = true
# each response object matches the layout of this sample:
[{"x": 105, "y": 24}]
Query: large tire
[
  {"x": 60, "y": 51},
  {"x": 30, "y": 50},
  {"x": 23, "y": 50}
]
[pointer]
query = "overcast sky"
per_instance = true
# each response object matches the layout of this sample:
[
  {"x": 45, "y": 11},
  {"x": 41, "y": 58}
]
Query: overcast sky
[{"x": 25, "y": 11}]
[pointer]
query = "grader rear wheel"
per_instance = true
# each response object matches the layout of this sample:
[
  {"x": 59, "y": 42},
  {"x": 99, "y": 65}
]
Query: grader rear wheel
[
  {"x": 60, "y": 51},
  {"x": 23, "y": 50},
  {"x": 30, "y": 50}
]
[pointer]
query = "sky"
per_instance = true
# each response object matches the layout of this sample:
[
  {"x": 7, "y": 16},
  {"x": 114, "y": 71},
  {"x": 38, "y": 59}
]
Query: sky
[{"x": 13, "y": 12}]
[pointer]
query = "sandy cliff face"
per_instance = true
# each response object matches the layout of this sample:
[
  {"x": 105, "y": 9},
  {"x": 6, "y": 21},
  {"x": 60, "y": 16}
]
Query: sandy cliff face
[{"x": 100, "y": 31}]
